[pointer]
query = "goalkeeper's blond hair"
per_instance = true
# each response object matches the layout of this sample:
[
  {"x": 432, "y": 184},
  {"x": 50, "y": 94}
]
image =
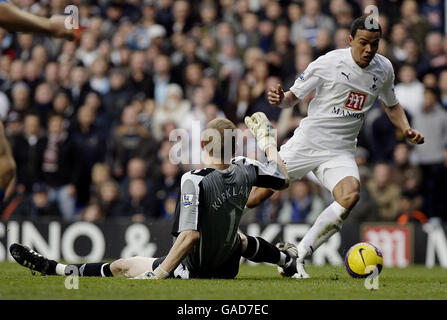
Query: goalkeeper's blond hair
[{"x": 220, "y": 135}]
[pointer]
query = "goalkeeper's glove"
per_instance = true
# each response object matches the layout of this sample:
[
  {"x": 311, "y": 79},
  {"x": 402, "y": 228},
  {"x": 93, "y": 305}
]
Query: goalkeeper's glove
[
  {"x": 262, "y": 130},
  {"x": 158, "y": 273}
]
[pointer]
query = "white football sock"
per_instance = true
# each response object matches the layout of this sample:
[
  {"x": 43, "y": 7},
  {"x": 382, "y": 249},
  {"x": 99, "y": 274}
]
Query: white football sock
[
  {"x": 328, "y": 222},
  {"x": 60, "y": 269}
]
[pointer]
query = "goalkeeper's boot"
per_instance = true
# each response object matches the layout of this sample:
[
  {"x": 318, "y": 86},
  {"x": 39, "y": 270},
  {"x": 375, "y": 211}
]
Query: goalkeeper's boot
[
  {"x": 29, "y": 258},
  {"x": 288, "y": 269},
  {"x": 300, "y": 271}
]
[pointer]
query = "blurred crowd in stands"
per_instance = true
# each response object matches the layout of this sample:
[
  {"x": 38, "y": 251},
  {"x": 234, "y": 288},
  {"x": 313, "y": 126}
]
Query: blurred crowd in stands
[{"x": 89, "y": 122}]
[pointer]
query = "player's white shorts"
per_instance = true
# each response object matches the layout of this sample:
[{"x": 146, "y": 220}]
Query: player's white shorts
[{"x": 329, "y": 168}]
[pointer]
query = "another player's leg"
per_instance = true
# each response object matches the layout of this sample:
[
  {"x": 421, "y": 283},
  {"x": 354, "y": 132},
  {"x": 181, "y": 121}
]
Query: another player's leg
[
  {"x": 330, "y": 221},
  {"x": 7, "y": 163},
  {"x": 257, "y": 249}
]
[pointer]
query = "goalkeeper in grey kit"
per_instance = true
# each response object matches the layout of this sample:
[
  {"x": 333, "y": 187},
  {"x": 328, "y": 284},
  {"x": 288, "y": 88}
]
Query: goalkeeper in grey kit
[{"x": 210, "y": 205}]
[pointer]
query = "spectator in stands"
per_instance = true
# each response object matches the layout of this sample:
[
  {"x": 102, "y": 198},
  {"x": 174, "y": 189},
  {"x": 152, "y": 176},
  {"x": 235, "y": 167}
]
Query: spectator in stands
[
  {"x": 312, "y": 20},
  {"x": 136, "y": 169},
  {"x": 174, "y": 109},
  {"x": 60, "y": 166},
  {"x": 139, "y": 205},
  {"x": 343, "y": 13},
  {"x": 87, "y": 53},
  {"x": 237, "y": 111},
  {"x": 109, "y": 199},
  {"x": 432, "y": 11},
  {"x": 140, "y": 82},
  {"x": 209, "y": 82},
  {"x": 92, "y": 213},
  {"x": 407, "y": 175},
  {"x": 162, "y": 79},
  {"x": 167, "y": 183},
  {"x": 248, "y": 35},
  {"x": 416, "y": 24},
  {"x": 21, "y": 98},
  {"x": 98, "y": 76},
  {"x": 442, "y": 83},
  {"x": 302, "y": 205},
  {"x": 408, "y": 212},
  {"x": 430, "y": 156},
  {"x": 130, "y": 139},
  {"x": 101, "y": 172},
  {"x": 399, "y": 33},
  {"x": 28, "y": 151},
  {"x": 51, "y": 75},
  {"x": 257, "y": 79},
  {"x": 231, "y": 67},
  {"x": 79, "y": 86},
  {"x": 62, "y": 106},
  {"x": 410, "y": 91},
  {"x": 414, "y": 57},
  {"x": 118, "y": 96},
  {"x": 13, "y": 128},
  {"x": 281, "y": 55},
  {"x": 435, "y": 54},
  {"x": 384, "y": 192},
  {"x": 90, "y": 142},
  {"x": 181, "y": 14},
  {"x": 38, "y": 205},
  {"x": 43, "y": 99}
]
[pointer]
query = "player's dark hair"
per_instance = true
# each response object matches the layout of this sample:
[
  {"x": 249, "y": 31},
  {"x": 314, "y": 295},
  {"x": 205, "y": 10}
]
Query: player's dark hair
[{"x": 365, "y": 23}]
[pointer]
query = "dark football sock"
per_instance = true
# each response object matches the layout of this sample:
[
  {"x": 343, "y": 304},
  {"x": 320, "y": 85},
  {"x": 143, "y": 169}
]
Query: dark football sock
[
  {"x": 99, "y": 269},
  {"x": 259, "y": 250},
  {"x": 51, "y": 271}
]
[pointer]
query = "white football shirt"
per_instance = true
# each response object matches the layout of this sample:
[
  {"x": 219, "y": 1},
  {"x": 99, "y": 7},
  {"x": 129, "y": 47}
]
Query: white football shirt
[{"x": 344, "y": 93}]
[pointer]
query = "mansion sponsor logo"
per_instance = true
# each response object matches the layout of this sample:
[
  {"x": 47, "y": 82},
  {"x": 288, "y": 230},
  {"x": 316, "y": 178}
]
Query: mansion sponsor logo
[{"x": 347, "y": 113}]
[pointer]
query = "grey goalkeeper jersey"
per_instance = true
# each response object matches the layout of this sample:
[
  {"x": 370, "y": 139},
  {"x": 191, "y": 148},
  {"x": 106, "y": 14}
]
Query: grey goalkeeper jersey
[{"x": 211, "y": 201}]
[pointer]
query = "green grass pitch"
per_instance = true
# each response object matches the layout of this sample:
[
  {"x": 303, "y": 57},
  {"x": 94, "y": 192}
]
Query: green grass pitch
[{"x": 259, "y": 282}]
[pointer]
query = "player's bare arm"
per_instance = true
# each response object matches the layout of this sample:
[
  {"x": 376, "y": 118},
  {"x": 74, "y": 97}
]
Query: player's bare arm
[
  {"x": 179, "y": 250},
  {"x": 277, "y": 97},
  {"x": 397, "y": 116},
  {"x": 12, "y": 18}
]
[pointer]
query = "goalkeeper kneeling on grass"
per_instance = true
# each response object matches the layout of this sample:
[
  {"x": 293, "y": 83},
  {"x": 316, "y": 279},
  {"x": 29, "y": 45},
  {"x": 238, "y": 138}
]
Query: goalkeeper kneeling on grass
[{"x": 208, "y": 212}]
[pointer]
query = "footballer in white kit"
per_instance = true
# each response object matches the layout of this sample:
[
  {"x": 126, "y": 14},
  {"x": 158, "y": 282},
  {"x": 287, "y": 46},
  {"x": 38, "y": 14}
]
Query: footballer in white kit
[
  {"x": 327, "y": 137},
  {"x": 347, "y": 83}
]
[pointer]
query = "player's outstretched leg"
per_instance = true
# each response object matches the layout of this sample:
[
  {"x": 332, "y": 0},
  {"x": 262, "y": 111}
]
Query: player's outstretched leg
[
  {"x": 329, "y": 222},
  {"x": 37, "y": 262},
  {"x": 29, "y": 258},
  {"x": 257, "y": 249}
]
